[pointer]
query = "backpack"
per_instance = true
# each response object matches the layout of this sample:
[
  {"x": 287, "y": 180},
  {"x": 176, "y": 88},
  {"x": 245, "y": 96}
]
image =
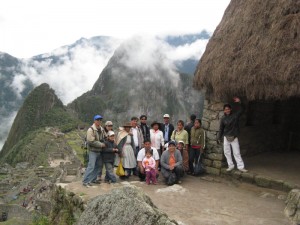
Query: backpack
[
  {"x": 84, "y": 146},
  {"x": 198, "y": 168}
]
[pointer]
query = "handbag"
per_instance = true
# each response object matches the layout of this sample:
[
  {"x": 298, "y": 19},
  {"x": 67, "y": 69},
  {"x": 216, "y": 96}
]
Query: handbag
[
  {"x": 230, "y": 138},
  {"x": 171, "y": 179},
  {"x": 120, "y": 170},
  {"x": 198, "y": 168}
]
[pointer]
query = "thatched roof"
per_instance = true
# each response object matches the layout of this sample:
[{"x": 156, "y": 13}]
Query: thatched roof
[{"x": 254, "y": 52}]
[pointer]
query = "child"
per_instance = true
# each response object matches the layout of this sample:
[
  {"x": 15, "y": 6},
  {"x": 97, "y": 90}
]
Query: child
[
  {"x": 184, "y": 154},
  {"x": 108, "y": 157},
  {"x": 149, "y": 165}
]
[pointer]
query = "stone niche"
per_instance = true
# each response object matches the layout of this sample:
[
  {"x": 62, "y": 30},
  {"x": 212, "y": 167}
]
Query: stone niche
[{"x": 265, "y": 126}]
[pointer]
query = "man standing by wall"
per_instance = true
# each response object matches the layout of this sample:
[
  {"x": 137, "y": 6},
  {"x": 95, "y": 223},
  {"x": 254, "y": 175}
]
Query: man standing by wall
[{"x": 229, "y": 130}]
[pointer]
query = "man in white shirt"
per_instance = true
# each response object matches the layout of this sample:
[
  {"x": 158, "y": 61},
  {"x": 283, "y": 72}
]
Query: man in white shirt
[
  {"x": 141, "y": 156},
  {"x": 137, "y": 135}
]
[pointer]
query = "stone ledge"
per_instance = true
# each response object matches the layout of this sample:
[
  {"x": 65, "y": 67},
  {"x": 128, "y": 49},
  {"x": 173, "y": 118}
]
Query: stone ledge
[{"x": 259, "y": 180}]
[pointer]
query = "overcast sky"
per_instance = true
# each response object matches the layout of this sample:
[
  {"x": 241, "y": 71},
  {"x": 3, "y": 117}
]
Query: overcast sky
[{"x": 33, "y": 27}]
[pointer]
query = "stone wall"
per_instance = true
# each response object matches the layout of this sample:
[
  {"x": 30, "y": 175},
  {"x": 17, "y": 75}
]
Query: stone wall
[
  {"x": 14, "y": 211},
  {"x": 214, "y": 158},
  {"x": 265, "y": 126}
]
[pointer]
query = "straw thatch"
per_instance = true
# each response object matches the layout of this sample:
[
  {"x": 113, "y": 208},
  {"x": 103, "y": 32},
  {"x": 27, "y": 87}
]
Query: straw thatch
[{"x": 254, "y": 52}]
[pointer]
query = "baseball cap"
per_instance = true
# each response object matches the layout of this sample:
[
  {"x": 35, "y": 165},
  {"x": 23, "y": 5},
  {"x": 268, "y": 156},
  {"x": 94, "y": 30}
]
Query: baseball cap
[
  {"x": 98, "y": 117},
  {"x": 172, "y": 143},
  {"x": 166, "y": 116},
  {"x": 108, "y": 123},
  {"x": 110, "y": 133},
  {"x": 181, "y": 142}
]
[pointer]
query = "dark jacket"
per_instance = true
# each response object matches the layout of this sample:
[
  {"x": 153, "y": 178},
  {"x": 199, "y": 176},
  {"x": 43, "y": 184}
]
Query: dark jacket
[
  {"x": 188, "y": 128},
  {"x": 171, "y": 129},
  {"x": 229, "y": 124},
  {"x": 108, "y": 155},
  {"x": 146, "y": 131}
]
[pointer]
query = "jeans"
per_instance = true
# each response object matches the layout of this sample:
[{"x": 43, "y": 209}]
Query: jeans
[
  {"x": 193, "y": 157},
  {"x": 92, "y": 169},
  {"x": 109, "y": 167},
  {"x": 101, "y": 164}
]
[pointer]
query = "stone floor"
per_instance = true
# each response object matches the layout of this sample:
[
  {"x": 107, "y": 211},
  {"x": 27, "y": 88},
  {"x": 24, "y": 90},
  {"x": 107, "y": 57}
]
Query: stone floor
[{"x": 277, "y": 165}]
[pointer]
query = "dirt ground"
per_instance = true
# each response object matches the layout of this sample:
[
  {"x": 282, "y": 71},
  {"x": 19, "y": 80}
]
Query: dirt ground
[
  {"x": 278, "y": 165},
  {"x": 207, "y": 201}
]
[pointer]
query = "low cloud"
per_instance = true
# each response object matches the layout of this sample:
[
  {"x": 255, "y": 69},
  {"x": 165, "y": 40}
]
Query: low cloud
[{"x": 6, "y": 123}]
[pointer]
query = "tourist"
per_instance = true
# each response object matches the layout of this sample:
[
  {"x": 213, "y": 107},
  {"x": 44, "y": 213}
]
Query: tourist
[
  {"x": 137, "y": 135},
  {"x": 126, "y": 145},
  {"x": 108, "y": 127},
  {"x": 144, "y": 127},
  {"x": 156, "y": 137},
  {"x": 149, "y": 166},
  {"x": 197, "y": 144},
  {"x": 229, "y": 131},
  {"x": 141, "y": 156},
  {"x": 171, "y": 164},
  {"x": 189, "y": 126},
  {"x": 179, "y": 134},
  {"x": 108, "y": 157},
  {"x": 167, "y": 128},
  {"x": 95, "y": 137},
  {"x": 180, "y": 147}
]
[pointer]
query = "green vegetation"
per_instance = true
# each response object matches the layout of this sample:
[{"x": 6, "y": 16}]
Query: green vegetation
[
  {"x": 40, "y": 220},
  {"x": 75, "y": 140}
]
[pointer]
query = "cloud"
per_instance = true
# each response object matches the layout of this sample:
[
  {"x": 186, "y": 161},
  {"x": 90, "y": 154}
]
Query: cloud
[
  {"x": 6, "y": 123},
  {"x": 74, "y": 73},
  {"x": 187, "y": 51},
  {"x": 18, "y": 84}
]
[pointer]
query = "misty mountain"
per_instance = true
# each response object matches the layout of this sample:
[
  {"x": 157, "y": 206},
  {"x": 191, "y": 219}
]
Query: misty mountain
[
  {"x": 72, "y": 70},
  {"x": 41, "y": 108},
  {"x": 139, "y": 79}
]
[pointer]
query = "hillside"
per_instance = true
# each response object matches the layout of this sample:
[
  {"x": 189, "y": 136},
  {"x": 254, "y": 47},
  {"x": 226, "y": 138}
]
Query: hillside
[{"x": 41, "y": 109}]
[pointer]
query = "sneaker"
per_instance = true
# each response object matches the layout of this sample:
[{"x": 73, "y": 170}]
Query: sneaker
[
  {"x": 179, "y": 182},
  {"x": 229, "y": 169},
  {"x": 96, "y": 182},
  {"x": 243, "y": 170},
  {"x": 87, "y": 185}
]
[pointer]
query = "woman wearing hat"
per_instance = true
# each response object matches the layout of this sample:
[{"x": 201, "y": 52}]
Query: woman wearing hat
[
  {"x": 156, "y": 137},
  {"x": 125, "y": 143}
]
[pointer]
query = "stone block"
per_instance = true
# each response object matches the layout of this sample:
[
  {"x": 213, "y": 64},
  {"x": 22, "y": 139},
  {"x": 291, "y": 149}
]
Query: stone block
[
  {"x": 214, "y": 125},
  {"x": 205, "y": 124},
  {"x": 217, "y": 149},
  {"x": 236, "y": 174},
  {"x": 211, "y": 115},
  {"x": 248, "y": 177},
  {"x": 215, "y": 156},
  {"x": 218, "y": 106},
  {"x": 287, "y": 186},
  {"x": 212, "y": 170},
  {"x": 218, "y": 164},
  {"x": 262, "y": 181},
  {"x": 292, "y": 209},
  {"x": 207, "y": 162},
  {"x": 277, "y": 184},
  {"x": 211, "y": 135}
]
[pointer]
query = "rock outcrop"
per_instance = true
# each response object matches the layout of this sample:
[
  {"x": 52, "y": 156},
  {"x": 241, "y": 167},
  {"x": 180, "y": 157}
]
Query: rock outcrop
[
  {"x": 292, "y": 209},
  {"x": 126, "y": 205}
]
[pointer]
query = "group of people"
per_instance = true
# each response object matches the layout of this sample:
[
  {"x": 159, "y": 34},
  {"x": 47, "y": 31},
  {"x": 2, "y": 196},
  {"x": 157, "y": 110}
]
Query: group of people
[{"x": 144, "y": 151}]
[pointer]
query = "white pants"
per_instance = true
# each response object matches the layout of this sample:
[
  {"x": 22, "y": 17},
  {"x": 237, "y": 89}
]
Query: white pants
[{"x": 236, "y": 153}]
